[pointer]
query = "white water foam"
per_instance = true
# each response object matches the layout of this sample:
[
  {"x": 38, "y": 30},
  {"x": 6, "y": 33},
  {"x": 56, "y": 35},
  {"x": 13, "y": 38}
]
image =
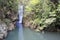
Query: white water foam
[{"x": 20, "y": 12}]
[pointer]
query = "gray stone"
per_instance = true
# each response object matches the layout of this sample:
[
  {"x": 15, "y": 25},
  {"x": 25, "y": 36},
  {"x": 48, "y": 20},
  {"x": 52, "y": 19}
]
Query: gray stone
[
  {"x": 11, "y": 26},
  {"x": 3, "y": 30}
]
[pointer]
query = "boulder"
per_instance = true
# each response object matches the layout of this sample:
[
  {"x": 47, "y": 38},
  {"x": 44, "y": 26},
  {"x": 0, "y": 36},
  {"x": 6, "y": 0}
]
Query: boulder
[
  {"x": 3, "y": 30},
  {"x": 11, "y": 26}
]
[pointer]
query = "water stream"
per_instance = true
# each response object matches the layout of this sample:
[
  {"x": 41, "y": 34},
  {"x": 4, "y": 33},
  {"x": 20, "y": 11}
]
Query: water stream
[{"x": 32, "y": 35}]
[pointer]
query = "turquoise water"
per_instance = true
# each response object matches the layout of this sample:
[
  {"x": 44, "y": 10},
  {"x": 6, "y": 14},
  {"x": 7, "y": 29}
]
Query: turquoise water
[
  {"x": 31, "y": 35},
  {"x": 13, "y": 35}
]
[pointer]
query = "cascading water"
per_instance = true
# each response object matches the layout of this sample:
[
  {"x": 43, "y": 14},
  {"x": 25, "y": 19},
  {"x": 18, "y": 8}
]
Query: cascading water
[{"x": 20, "y": 13}]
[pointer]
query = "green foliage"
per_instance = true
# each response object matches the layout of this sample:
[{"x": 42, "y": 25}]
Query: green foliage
[
  {"x": 8, "y": 5},
  {"x": 45, "y": 11},
  {"x": 8, "y": 9}
]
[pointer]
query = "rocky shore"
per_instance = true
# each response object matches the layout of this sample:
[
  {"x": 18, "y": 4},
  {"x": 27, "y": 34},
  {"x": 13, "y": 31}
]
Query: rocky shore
[
  {"x": 4, "y": 28},
  {"x": 49, "y": 25}
]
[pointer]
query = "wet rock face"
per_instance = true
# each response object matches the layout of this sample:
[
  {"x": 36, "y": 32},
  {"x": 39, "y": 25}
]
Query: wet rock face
[
  {"x": 11, "y": 16},
  {"x": 2, "y": 15},
  {"x": 3, "y": 30},
  {"x": 11, "y": 26}
]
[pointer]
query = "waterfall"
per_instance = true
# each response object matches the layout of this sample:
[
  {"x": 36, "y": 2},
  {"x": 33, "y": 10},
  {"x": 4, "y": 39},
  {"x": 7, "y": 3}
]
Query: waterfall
[{"x": 20, "y": 12}]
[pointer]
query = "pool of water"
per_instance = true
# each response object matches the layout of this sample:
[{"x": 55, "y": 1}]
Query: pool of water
[
  {"x": 32, "y": 35},
  {"x": 13, "y": 35}
]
